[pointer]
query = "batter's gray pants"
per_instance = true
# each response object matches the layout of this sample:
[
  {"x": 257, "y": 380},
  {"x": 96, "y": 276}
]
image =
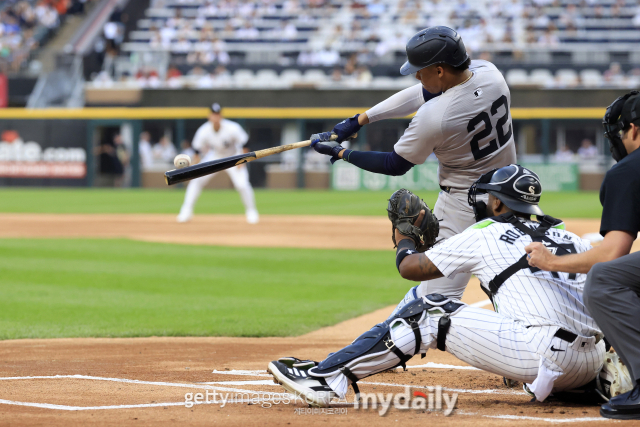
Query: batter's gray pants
[{"x": 612, "y": 295}]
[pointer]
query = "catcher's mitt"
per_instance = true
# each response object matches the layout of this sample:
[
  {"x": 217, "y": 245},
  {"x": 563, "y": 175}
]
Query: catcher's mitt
[{"x": 404, "y": 208}]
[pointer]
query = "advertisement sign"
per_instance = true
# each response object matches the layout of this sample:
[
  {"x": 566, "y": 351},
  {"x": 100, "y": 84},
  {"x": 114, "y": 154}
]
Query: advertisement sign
[
  {"x": 43, "y": 152},
  {"x": 345, "y": 176}
]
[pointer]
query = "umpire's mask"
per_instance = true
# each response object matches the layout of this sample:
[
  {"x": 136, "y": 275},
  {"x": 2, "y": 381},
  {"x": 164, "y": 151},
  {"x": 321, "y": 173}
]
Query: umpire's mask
[
  {"x": 617, "y": 119},
  {"x": 517, "y": 187}
]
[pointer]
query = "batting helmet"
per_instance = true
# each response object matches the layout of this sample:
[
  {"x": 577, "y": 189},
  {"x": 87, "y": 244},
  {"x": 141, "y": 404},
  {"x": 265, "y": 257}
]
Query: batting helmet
[
  {"x": 517, "y": 187},
  {"x": 434, "y": 45}
]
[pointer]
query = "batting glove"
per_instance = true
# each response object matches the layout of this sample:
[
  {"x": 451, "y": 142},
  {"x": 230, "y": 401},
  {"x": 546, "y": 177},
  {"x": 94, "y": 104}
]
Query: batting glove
[
  {"x": 346, "y": 128},
  {"x": 321, "y": 142}
]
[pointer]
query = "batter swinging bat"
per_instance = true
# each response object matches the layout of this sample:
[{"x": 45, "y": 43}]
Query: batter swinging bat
[{"x": 201, "y": 169}]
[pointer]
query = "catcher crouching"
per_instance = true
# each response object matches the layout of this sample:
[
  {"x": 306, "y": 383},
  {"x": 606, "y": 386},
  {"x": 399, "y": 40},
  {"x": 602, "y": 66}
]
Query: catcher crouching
[{"x": 540, "y": 334}]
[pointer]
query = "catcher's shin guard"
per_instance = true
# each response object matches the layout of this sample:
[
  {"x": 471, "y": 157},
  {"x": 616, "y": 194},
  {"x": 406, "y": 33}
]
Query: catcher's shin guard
[{"x": 382, "y": 348}]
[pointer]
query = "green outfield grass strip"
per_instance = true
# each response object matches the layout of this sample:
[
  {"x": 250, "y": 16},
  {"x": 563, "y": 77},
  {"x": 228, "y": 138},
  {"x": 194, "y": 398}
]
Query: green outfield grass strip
[
  {"x": 120, "y": 288},
  {"x": 269, "y": 202}
]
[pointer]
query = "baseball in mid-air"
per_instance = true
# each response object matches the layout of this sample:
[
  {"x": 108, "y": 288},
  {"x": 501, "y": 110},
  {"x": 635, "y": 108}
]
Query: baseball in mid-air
[{"x": 182, "y": 161}]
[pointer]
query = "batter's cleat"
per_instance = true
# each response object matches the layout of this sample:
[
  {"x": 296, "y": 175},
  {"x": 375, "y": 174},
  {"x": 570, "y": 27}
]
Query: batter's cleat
[
  {"x": 623, "y": 407},
  {"x": 252, "y": 216},
  {"x": 294, "y": 362},
  {"x": 184, "y": 217},
  {"x": 312, "y": 390}
]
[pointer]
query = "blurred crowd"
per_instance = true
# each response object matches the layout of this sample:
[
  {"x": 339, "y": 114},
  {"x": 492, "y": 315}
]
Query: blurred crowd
[
  {"x": 374, "y": 27},
  {"x": 115, "y": 157},
  {"x": 27, "y": 24},
  {"x": 350, "y": 37},
  {"x": 160, "y": 153},
  {"x": 586, "y": 152}
]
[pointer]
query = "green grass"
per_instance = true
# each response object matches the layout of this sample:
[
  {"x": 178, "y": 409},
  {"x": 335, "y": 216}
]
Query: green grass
[
  {"x": 561, "y": 205},
  {"x": 90, "y": 288}
]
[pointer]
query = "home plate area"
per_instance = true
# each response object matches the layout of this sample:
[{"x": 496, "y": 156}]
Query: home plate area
[{"x": 237, "y": 396}]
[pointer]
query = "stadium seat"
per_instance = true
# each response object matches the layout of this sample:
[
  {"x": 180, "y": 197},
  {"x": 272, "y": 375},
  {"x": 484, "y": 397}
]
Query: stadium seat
[
  {"x": 314, "y": 75},
  {"x": 541, "y": 77},
  {"x": 291, "y": 75},
  {"x": 567, "y": 77},
  {"x": 268, "y": 78},
  {"x": 591, "y": 78},
  {"x": 517, "y": 77},
  {"x": 267, "y": 74},
  {"x": 243, "y": 77}
]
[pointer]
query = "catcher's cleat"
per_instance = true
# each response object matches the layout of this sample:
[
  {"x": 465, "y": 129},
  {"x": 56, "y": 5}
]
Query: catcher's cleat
[
  {"x": 509, "y": 383},
  {"x": 313, "y": 390},
  {"x": 294, "y": 362},
  {"x": 525, "y": 388}
]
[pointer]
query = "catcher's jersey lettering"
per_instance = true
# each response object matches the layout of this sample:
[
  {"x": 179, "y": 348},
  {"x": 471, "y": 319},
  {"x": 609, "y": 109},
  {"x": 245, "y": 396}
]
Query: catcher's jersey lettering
[
  {"x": 552, "y": 298},
  {"x": 510, "y": 236}
]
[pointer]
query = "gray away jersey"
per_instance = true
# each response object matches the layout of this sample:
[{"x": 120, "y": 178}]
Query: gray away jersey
[
  {"x": 468, "y": 128},
  {"x": 533, "y": 297}
]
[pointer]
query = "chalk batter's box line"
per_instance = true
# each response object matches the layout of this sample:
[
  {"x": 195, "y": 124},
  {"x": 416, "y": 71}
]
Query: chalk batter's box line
[{"x": 274, "y": 396}]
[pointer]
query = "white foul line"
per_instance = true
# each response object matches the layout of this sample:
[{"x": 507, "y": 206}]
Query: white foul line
[
  {"x": 549, "y": 420},
  {"x": 86, "y": 408},
  {"x": 256, "y": 382},
  {"x": 480, "y": 304},
  {"x": 124, "y": 380},
  {"x": 141, "y": 405},
  {"x": 455, "y": 390},
  {"x": 257, "y": 373},
  {"x": 433, "y": 365},
  {"x": 262, "y": 373}
]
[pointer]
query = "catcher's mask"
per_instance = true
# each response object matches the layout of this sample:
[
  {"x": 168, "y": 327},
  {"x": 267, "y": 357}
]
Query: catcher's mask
[
  {"x": 517, "y": 187},
  {"x": 617, "y": 119}
]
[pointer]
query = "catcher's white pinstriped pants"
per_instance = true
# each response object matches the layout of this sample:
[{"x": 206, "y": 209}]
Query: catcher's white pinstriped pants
[{"x": 494, "y": 343}]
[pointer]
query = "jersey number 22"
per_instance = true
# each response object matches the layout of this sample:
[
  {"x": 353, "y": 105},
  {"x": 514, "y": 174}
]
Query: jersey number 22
[{"x": 503, "y": 138}]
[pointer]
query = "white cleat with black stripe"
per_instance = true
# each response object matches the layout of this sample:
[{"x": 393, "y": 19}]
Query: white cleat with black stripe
[
  {"x": 294, "y": 362},
  {"x": 312, "y": 390}
]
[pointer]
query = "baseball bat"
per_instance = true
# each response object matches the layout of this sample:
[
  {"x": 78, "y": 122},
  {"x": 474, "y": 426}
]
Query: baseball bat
[{"x": 201, "y": 169}]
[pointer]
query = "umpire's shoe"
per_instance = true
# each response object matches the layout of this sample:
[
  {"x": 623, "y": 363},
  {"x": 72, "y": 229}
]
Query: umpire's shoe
[
  {"x": 312, "y": 390},
  {"x": 623, "y": 407}
]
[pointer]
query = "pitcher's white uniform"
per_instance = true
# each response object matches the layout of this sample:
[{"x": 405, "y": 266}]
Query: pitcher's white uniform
[
  {"x": 469, "y": 129},
  {"x": 212, "y": 145},
  {"x": 517, "y": 341}
]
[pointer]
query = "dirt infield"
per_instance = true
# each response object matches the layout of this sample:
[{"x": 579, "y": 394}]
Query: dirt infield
[
  {"x": 323, "y": 232},
  {"x": 143, "y": 381}
]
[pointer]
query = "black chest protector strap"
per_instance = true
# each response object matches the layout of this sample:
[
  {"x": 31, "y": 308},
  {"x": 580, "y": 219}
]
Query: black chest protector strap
[{"x": 546, "y": 222}]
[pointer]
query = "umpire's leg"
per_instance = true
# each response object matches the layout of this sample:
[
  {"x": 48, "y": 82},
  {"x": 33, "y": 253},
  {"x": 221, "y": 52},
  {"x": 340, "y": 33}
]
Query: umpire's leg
[{"x": 612, "y": 295}]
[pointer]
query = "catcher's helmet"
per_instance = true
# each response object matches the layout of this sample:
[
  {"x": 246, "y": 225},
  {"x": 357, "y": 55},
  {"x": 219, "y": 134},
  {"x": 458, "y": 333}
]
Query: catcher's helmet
[
  {"x": 616, "y": 120},
  {"x": 517, "y": 187},
  {"x": 434, "y": 45}
]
